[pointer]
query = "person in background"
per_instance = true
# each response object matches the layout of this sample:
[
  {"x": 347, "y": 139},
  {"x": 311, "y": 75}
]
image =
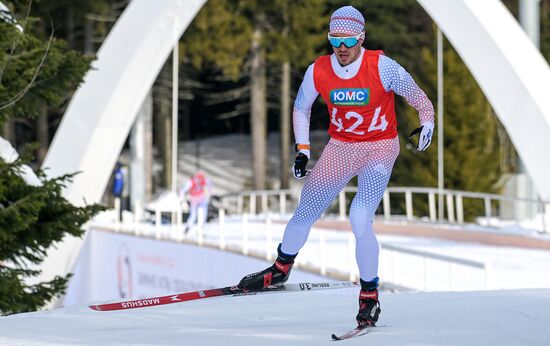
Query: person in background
[
  {"x": 197, "y": 189},
  {"x": 358, "y": 86},
  {"x": 118, "y": 186}
]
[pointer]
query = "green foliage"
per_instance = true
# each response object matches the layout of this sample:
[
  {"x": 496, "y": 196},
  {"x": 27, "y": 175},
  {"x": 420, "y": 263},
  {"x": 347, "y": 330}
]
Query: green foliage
[
  {"x": 545, "y": 29},
  {"x": 471, "y": 142},
  {"x": 296, "y": 31},
  {"x": 32, "y": 219},
  {"x": 221, "y": 34},
  {"x": 34, "y": 73},
  {"x": 407, "y": 34}
]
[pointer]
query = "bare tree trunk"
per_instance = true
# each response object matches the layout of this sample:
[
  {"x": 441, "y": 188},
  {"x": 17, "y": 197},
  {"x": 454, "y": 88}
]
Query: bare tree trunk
[
  {"x": 140, "y": 165},
  {"x": 88, "y": 36},
  {"x": 258, "y": 111},
  {"x": 285, "y": 110},
  {"x": 162, "y": 125},
  {"x": 42, "y": 134},
  {"x": 167, "y": 146},
  {"x": 285, "y": 125},
  {"x": 69, "y": 22},
  {"x": 9, "y": 131},
  {"x": 149, "y": 155}
]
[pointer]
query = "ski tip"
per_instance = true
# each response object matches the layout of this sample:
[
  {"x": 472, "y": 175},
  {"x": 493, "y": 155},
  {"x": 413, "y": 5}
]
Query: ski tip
[
  {"x": 95, "y": 307},
  {"x": 335, "y": 338}
]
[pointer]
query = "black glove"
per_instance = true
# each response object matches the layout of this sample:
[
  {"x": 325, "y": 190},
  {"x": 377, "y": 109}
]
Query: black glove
[{"x": 299, "y": 168}]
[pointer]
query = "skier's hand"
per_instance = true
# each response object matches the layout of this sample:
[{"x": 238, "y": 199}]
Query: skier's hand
[
  {"x": 299, "y": 168},
  {"x": 425, "y": 135}
]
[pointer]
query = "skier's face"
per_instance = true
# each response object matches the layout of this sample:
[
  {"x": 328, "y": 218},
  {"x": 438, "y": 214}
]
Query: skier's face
[{"x": 344, "y": 54}]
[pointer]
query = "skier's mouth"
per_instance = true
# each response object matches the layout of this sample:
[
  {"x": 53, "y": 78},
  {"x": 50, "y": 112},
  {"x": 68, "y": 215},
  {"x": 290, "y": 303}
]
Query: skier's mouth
[{"x": 343, "y": 56}]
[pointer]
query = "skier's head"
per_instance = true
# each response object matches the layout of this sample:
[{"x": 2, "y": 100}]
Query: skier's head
[
  {"x": 347, "y": 21},
  {"x": 199, "y": 174},
  {"x": 346, "y": 34}
]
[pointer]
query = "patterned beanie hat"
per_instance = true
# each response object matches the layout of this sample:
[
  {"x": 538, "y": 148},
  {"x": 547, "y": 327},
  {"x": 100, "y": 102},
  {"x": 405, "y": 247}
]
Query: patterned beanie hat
[{"x": 347, "y": 20}]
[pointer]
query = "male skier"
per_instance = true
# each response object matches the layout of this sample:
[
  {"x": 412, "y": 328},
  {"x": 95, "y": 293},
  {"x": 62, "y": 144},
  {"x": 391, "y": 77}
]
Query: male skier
[{"x": 358, "y": 86}]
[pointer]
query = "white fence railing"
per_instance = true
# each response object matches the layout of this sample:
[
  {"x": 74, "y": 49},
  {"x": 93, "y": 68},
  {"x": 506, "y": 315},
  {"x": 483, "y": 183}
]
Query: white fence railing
[
  {"x": 328, "y": 253},
  {"x": 491, "y": 205},
  {"x": 245, "y": 224}
]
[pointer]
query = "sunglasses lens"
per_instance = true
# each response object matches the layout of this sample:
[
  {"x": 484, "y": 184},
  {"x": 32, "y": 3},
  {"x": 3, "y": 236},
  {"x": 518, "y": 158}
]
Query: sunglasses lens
[
  {"x": 336, "y": 42},
  {"x": 349, "y": 42}
]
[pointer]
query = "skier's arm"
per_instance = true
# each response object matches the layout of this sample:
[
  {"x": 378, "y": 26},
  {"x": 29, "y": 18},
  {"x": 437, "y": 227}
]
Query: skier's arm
[
  {"x": 301, "y": 115},
  {"x": 184, "y": 189},
  {"x": 302, "y": 110},
  {"x": 395, "y": 78}
]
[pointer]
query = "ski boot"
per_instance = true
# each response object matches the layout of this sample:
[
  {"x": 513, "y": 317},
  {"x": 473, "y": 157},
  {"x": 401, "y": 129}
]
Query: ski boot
[
  {"x": 369, "y": 306},
  {"x": 274, "y": 276}
]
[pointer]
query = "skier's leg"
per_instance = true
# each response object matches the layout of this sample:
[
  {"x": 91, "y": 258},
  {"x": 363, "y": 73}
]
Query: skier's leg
[
  {"x": 325, "y": 181},
  {"x": 192, "y": 215},
  {"x": 372, "y": 182},
  {"x": 203, "y": 207},
  {"x": 327, "y": 178}
]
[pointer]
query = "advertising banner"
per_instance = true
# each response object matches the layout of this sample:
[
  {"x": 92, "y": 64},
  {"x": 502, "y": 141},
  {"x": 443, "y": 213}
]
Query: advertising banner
[{"x": 114, "y": 266}]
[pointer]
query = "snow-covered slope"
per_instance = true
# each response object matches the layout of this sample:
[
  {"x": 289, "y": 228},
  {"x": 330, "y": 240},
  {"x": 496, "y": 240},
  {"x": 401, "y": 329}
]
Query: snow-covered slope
[
  {"x": 513, "y": 317},
  {"x": 226, "y": 160}
]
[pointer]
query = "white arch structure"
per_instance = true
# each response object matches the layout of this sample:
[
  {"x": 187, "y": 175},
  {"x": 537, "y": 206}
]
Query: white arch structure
[
  {"x": 505, "y": 63},
  {"x": 102, "y": 111},
  {"x": 510, "y": 70}
]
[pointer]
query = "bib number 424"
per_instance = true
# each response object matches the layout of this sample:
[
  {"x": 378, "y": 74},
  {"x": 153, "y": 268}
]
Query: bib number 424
[{"x": 377, "y": 123}]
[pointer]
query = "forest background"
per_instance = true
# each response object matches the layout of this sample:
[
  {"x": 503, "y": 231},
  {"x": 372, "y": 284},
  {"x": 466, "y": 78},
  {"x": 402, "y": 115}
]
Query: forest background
[{"x": 242, "y": 63}]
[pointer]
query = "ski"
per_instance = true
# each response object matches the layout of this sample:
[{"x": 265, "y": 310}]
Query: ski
[
  {"x": 358, "y": 331},
  {"x": 218, "y": 292}
]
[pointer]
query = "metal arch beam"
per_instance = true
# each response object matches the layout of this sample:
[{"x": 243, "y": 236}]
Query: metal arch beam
[
  {"x": 103, "y": 109},
  {"x": 509, "y": 69}
]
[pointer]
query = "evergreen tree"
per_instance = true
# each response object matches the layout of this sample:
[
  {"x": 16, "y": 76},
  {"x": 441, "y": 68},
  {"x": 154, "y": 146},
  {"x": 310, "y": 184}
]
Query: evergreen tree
[
  {"x": 33, "y": 74},
  {"x": 472, "y": 160},
  {"x": 32, "y": 219},
  {"x": 241, "y": 38}
]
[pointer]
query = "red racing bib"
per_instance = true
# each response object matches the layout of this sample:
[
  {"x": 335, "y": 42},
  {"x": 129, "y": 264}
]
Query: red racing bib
[{"x": 360, "y": 109}]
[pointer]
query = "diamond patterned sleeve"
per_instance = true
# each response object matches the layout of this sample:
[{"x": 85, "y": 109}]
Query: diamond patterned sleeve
[
  {"x": 395, "y": 78},
  {"x": 302, "y": 108}
]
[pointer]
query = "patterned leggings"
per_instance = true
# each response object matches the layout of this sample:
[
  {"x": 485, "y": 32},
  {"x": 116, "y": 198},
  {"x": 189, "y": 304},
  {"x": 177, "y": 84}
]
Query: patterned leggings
[{"x": 340, "y": 161}]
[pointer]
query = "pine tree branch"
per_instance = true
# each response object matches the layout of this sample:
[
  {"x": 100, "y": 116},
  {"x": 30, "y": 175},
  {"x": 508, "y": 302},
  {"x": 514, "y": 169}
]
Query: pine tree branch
[
  {"x": 16, "y": 42},
  {"x": 24, "y": 91}
]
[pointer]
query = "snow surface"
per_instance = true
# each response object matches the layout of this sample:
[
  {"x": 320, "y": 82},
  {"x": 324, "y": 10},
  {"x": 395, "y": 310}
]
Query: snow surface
[
  {"x": 493, "y": 317},
  {"x": 506, "y": 317},
  {"x": 9, "y": 154}
]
